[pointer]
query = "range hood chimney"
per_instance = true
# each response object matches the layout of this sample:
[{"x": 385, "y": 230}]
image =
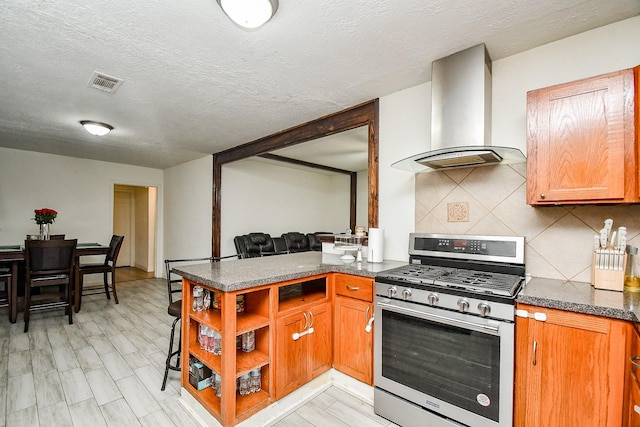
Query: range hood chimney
[{"x": 461, "y": 116}]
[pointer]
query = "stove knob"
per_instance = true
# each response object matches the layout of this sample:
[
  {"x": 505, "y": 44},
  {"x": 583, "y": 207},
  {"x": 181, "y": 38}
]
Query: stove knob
[
  {"x": 433, "y": 299},
  {"x": 463, "y": 304},
  {"x": 484, "y": 309},
  {"x": 406, "y": 294},
  {"x": 392, "y": 291}
]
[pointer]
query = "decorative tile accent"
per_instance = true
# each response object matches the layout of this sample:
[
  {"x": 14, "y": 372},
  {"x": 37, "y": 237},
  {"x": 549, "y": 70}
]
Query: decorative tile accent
[
  {"x": 558, "y": 238},
  {"x": 458, "y": 212}
]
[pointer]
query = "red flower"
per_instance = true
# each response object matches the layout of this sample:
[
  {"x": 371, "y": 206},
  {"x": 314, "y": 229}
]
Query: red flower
[{"x": 45, "y": 216}]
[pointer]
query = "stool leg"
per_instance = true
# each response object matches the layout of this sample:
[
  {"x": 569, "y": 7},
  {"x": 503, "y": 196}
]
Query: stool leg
[{"x": 170, "y": 353}]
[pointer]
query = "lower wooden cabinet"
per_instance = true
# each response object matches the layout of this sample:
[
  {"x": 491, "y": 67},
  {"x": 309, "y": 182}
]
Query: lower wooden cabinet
[
  {"x": 570, "y": 369},
  {"x": 353, "y": 311},
  {"x": 302, "y": 355},
  {"x": 632, "y": 403}
]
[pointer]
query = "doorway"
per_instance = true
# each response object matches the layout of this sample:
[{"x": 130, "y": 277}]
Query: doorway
[{"x": 134, "y": 216}]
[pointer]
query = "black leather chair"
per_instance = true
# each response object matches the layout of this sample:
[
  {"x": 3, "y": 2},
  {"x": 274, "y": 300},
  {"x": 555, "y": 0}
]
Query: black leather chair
[
  {"x": 108, "y": 266},
  {"x": 241, "y": 249},
  {"x": 279, "y": 245},
  {"x": 49, "y": 267},
  {"x": 174, "y": 286},
  {"x": 258, "y": 244},
  {"x": 296, "y": 242},
  {"x": 314, "y": 242}
]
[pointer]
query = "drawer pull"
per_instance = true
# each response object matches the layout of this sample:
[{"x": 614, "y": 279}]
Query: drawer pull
[
  {"x": 635, "y": 361},
  {"x": 353, "y": 288}
]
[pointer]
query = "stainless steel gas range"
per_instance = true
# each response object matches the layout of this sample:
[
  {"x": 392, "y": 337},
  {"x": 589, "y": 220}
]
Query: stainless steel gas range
[{"x": 444, "y": 338}]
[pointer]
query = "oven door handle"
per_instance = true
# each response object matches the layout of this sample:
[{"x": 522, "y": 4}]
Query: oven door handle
[{"x": 441, "y": 319}]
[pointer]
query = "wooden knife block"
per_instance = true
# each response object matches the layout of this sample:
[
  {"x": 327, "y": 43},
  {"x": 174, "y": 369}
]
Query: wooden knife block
[{"x": 612, "y": 280}]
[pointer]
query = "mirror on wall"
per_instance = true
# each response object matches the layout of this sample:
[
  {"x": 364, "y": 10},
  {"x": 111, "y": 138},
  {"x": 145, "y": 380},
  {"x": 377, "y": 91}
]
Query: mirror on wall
[{"x": 343, "y": 146}]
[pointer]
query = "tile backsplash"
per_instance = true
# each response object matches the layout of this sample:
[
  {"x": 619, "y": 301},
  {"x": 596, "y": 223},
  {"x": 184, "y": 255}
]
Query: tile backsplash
[{"x": 491, "y": 200}]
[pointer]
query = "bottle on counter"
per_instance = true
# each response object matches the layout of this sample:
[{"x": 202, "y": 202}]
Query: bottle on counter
[{"x": 632, "y": 272}]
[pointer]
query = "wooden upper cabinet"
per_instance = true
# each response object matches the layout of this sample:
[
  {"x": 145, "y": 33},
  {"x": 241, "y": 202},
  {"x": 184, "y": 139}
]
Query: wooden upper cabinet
[{"x": 581, "y": 143}]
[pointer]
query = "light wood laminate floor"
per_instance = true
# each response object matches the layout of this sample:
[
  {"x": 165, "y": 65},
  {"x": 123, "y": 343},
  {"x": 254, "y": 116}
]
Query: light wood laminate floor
[{"x": 106, "y": 369}]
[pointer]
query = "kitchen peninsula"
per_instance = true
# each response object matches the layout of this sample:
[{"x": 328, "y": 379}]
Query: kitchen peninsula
[{"x": 288, "y": 304}]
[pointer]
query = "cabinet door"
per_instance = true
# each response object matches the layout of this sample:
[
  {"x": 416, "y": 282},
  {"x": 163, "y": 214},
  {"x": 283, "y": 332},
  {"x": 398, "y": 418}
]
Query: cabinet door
[
  {"x": 580, "y": 145},
  {"x": 568, "y": 370},
  {"x": 291, "y": 355},
  {"x": 353, "y": 346},
  {"x": 320, "y": 343}
]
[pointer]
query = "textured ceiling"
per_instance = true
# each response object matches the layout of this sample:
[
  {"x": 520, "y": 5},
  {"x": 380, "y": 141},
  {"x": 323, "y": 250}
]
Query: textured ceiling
[{"x": 195, "y": 84}]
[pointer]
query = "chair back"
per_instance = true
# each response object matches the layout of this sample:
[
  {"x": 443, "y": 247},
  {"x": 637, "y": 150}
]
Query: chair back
[
  {"x": 296, "y": 242},
  {"x": 114, "y": 250},
  {"x": 49, "y": 258},
  {"x": 174, "y": 282}
]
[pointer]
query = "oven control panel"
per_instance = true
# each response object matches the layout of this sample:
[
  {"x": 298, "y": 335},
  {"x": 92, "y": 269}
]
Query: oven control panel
[
  {"x": 507, "y": 249},
  {"x": 471, "y": 305}
]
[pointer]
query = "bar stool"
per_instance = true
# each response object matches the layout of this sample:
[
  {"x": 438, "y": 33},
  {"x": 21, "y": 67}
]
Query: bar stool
[{"x": 174, "y": 285}]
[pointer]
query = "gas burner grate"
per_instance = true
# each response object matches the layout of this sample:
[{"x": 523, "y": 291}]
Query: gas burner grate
[{"x": 447, "y": 277}]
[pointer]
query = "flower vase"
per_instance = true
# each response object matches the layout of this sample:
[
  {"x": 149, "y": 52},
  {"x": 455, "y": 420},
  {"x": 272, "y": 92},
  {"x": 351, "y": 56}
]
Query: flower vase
[{"x": 44, "y": 231}]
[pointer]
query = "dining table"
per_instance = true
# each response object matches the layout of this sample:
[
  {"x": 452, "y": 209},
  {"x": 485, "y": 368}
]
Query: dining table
[{"x": 15, "y": 254}]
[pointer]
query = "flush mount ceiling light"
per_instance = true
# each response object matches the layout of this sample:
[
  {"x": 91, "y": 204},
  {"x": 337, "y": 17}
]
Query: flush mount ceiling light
[
  {"x": 96, "y": 128},
  {"x": 249, "y": 13}
]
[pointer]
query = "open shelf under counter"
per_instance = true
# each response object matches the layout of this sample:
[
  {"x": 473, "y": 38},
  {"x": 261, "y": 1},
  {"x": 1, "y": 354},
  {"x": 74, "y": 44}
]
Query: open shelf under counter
[
  {"x": 247, "y": 321},
  {"x": 210, "y": 318},
  {"x": 250, "y": 404},
  {"x": 246, "y": 362},
  {"x": 214, "y": 362},
  {"x": 207, "y": 398}
]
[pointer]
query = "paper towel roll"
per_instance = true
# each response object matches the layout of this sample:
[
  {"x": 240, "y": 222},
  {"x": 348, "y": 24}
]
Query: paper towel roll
[{"x": 376, "y": 245}]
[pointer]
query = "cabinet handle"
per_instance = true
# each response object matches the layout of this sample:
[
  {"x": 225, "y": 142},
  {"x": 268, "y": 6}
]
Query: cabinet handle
[
  {"x": 542, "y": 196},
  {"x": 535, "y": 347},
  {"x": 353, "y": 288},
  {"x": 369, "y": 322},
  {"x": 305, "y": 321},
  {"x": 636, "y": 408},
  {"x": 634, "y": 361},
  {"x": 366, "y": 314},
  {"x": 312, "y": 320}
]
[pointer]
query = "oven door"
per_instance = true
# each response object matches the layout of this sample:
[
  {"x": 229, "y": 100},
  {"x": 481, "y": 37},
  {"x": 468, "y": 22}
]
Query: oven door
[{"x": 456, "y": 365}]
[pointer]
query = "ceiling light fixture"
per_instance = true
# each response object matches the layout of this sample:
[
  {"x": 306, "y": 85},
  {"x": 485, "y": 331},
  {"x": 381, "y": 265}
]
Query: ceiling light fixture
[
  {"x": 249, "y": 13},
  {"x": 96, "y": 128}
]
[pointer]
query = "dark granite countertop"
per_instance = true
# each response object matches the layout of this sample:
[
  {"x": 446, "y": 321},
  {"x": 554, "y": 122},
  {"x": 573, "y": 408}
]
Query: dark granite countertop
[
  {"x": 235, "y": 275},
  {"x": 581, "y": 297}
]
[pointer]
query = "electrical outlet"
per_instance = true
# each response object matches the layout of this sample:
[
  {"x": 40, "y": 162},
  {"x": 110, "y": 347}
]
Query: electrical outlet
[{"x": 458, "y": 212}]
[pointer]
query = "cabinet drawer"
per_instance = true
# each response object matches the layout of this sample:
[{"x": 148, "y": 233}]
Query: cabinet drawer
[{"x": 354, "y": 287}]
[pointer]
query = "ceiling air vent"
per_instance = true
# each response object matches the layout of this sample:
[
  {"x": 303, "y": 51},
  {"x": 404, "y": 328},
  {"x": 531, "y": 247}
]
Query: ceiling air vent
[{"x": 104, "y": 82}]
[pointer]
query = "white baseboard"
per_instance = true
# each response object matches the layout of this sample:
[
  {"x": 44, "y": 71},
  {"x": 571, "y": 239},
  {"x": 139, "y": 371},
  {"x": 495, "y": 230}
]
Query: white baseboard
[{"x": 283, "y": 407}]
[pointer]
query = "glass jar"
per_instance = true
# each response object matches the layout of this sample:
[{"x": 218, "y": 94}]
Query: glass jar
[
  {"x": 198, "y": 298},
  {"x": 632, "y": 272},
  {"x": 255, "y": 381},
  {"x": 244, "y": 386},
  {"x": 249, "y": 341}
]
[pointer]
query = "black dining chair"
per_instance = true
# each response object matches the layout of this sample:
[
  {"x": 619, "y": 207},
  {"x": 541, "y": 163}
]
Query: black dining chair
[
  {"x": 174, "y": 286},
  {"x": 104, "y": 268},
  {"x": 49, "y": 268},
  {"x": 5, "y": 285}
]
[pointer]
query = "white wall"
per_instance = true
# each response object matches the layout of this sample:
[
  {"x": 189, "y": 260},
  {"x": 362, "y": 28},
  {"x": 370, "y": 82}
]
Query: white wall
[
  {"x": 187, "y": 211},
  {"x": 80, "y": 190},
  {"x": 257, "y": 196},
  {"x": 404, "y": 132}
]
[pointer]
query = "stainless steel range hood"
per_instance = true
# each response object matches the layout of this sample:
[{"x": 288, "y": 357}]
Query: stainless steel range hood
[{"x": 461, "y": 116}]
